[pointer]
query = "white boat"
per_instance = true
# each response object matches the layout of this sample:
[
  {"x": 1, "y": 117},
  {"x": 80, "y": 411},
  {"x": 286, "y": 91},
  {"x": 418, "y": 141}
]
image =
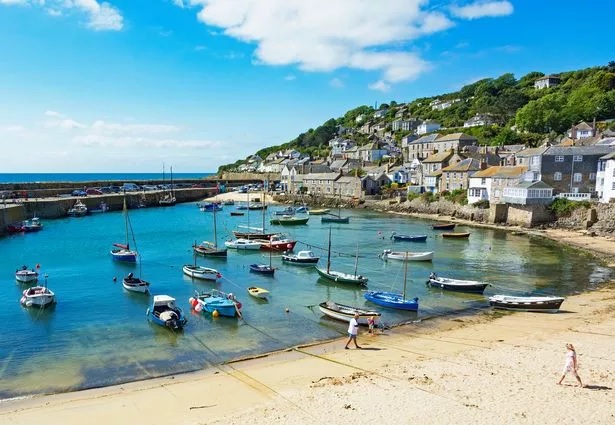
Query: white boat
[
  {"x": 387, "y": 254},
  {"x": 243, "y": 244},
  {"x": 200, "y": 272},
  {"x": 257, "y": 292},
  {"x": 538, "y": 304},
  {"x": 301, "y": 258},
  {"x": 24, "y": 275},
  {"x": 38, "y": 296},
  {"x": 345, "y": 312},
  {"x": 456, "y": 284},
  {"x": 135, "y": 284},
  {"x": 78, "y": 210}
]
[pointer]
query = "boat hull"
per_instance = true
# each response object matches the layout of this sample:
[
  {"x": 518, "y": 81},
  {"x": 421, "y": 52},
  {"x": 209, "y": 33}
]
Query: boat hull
[
  {"x": 289, "y": 221},
  {"x": 457, "y": 285},
  {"x": 300, "y": 261},
  {"x": 135, "y": 285},
  {"x": 335, "y": 219},
  {"x": 209, "y": 251},
  {"x": 252, "y": 235},
  {"x": 124, "y": 256},
  {"x": 257, "y": 292},
  {"x": 203, "y": 273},
  {"x": 262, "y": 269},
  {"x": 392, "y": 300},
  {"x": 26, "y": 276},
  {"x": 533, "y": 304},
  {"x": 409, "y": 238},
  {"x": 450, "y": 226},
  {"x": 38, "y": 296},
  {"x": 456, "y": 235},
  {"x": 345, "y": 312},
  {"x": 248, "y": 245},
  {"x": 406, "y": 256},
  {"x": 340, "y": 277}
]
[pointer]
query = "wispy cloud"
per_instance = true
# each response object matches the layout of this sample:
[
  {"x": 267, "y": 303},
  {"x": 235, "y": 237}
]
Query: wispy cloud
[
  {"x": 380, "y": 86},
  {"x": 290, "y": 77},
  {"x": 482, "y": 9},
  {"x": 336, "y": 83}
]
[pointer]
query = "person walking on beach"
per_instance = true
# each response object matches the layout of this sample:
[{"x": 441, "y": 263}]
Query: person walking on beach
[
  {"x": 371, "y": 321},
  {"x": 353, "y": 329},
  {"x": 571, "y": 365}
]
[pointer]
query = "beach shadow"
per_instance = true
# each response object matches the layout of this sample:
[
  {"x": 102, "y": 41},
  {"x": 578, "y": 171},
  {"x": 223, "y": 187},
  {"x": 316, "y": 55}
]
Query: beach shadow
[
  {"x": 598, "y": 387},
  {"x": 566, "y": 312},
  {"x": 363, "y": 348}
]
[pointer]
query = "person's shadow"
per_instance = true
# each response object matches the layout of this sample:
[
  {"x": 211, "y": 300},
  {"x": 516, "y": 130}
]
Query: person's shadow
[{"x": 597, "y": 387}]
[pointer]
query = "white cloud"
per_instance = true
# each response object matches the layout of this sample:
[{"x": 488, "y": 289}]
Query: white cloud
[
  {"x": 380, "y": 86},
  {"x": 103, "y": 127},
  {"x": 482, "y": 9},
  {"x": 102, "y": 16}
]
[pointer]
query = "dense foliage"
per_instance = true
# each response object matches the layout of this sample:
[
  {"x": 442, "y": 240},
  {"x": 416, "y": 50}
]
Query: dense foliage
[{"x": 563, "y": 207}]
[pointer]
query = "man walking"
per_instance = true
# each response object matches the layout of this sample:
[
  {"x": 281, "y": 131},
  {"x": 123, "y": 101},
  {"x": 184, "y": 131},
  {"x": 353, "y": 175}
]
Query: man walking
[{"x": 353, "y": 329}]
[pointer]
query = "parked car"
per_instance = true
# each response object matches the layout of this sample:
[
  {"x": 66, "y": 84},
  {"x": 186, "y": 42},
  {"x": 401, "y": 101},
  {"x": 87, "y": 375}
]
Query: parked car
[
  {"x": 130, "y": 187},
  {"x": 93, "y": 191},
  {"x": 106, "y": 189},
  {"x": 78, "y": 192}
]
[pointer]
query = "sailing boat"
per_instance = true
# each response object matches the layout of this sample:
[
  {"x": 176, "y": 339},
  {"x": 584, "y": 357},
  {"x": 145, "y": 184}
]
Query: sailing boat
[
  {"x": 168, "y": 199},
  {"x": 341, "y": 277},
  {"x": 122, "y": 251},
  {"x": 393, "y": 299},
  {"x": 263, "y": 268},
  {"x": 209, "y": 249},
  {"x": 332, "y": 218},
  {"x": 200, "y": 272},
  {"x": 253, "y": 232}
]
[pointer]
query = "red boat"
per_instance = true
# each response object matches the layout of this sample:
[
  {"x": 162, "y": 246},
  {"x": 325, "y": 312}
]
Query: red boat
[
  {"x": 15, "y": 228},
  {"x": 276, "y": 243}
]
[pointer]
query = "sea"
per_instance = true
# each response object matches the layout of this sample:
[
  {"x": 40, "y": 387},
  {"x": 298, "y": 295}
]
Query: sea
[
  {"x": 98, "y": 334},
  {"x": 93, "y": 177}
]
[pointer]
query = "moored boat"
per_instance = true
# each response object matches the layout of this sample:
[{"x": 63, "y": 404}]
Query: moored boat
[
  {"x": 79, "y": 209},
  {"x": 345, "y": 312},
  {"x": 387, "y": 254},
  {"x": 319, "y": 211},
  {"x": 393, "y": 299},
  {"x": 408, "y": 238},
  {"x": 209, "y": 249},
  {"x": 544, "y": 304},
  {"x": 164, "y": 312},
  {"x": 209, "y": 207},
  {"x": 334, "y": 219},
  {"x": 135, "y": 284},
  {"x": 243, "y": 244},
  {"x": 237, "y": 213},
  {"x": 122, "y": 251},
  {"x": 285, "y": 211},
  {"x": 262, "y": 269},
  {"x": 289, "y": 220},
  {"x": 457, "y": 285},
  {"x": 301, "y": 258},
  {"x": 25, "y": 275},
  {"x": 38, "y": 296},
  {"x": 456, "y": 235},
  {"x": 277, "y": 243},
  {"x": 341, "y": 277},
  {"x": 257, "y": 292},
  {"x": 446, "y": 226},
  {"x": 216, "y": 303},
  {"x": 200, "y": 272},
  {"x": 32, "y": 225}
]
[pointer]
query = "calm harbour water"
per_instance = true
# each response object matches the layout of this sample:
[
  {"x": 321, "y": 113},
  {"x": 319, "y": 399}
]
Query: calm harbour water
[{"x": 98, "y": 334}]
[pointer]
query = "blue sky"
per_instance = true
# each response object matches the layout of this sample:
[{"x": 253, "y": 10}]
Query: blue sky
[{"x": 125, "y": 85}]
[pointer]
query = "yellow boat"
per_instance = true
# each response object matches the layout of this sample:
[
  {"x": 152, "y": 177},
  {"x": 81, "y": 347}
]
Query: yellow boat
[
  {"x": 319, "y": 211},
  {"x": 258, "y": 292}
]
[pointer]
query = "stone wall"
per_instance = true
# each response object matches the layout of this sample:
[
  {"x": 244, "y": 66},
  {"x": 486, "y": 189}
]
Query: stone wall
[{"x": 599, "y": 219}]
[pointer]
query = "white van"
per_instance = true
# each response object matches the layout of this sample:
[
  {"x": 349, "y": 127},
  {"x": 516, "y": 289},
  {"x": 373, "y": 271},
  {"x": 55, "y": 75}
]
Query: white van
[{"x": 130, "y": 187}]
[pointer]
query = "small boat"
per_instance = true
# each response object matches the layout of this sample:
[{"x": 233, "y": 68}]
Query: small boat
[
  {"x": 319, "y": 211},
  {"x": 277, "y": 243},
  {"x": 285, "y": 211},
  {"x": 122, "y": 251},
  {"x": 216, "y": 302},
  {"x": 303, "y": 210},
  {"x": 164, "y": 312},
  {"x": 387, "y": 254},
  {"x": 229, "y": 202},
  {"x": 262, "y": 269},
  {"x": 200, "y": 272},
  {"x": 447, "y": 226},
  {"x": 341, "y": 277},
  {"x": 457, "y": 285},
  {"x": 456, "y": 235},
  {"x": 135, "y": 284},
  {"x": 257, "y": 292},
  {"x": 257, "y": 233},
  {"x": 257, "y": 206},
  {"x": 209, "y": 207},
  {"x": 243, "y": 244},
  {"x": 25, "y": 275},
  {"x": 15, "y": 228},
  {"x": 393, "y": 299},
  {"x": 408, "y": 238},
  {"x": 38, "y": 296},
  {"x": 537, "y": 304},
  {"x": 301, "y": 258},
  {"x": 334, "y": 219},
  {"x": 289, "y": 220},
  {"x": 78, "y": 210},
  {"x": 32, "y": 225},
  {"x": 237, "y": 213},
  {"x": 345, "y": 312},
  {"x": 210, "y": 249}
]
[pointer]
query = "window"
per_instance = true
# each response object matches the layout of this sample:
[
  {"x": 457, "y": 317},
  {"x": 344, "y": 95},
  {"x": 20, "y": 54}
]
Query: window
[
  {"x": 559, "y": 158},
  {"x": 613, "y": 188},
  {"x": 592, "y": 176},
  {"x": 535, "y": 160},
  {"x": 483, "y": 181},
  {"x": 577, "y": 177},
  {"x": 557, "y": 176},
  {"x": 577, "y": 158}
]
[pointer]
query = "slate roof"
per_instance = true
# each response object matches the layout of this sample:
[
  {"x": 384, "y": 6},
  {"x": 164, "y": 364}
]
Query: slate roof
[
  {"x": 468, "y": 164},
  {"x": 455, "y": 136},
  {"x": 578, "y": 150},
  {"x": 532, "y": 151},
  {"x": 438, "y": 157},
  {"x": 322, "y": 176},
  {"x": 429, "y": 138},
  {"x": 533, "y": 185}
]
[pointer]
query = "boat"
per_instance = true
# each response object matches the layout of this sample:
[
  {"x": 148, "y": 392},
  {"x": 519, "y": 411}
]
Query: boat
[
  {"x": 257, "y": 206},
  {"x": 168, "y": 198},
  {"x": 456, "y": 235},
  {"x": 252, "y": 232},
  {"x": 210, "y": 206},
  {"x": 303, "y": 210},
  {"x": 263, "y": 268},
  {"x": 257, "y": 292},
  {"x": 237, "y": 213},
  {"x": 216, "y": 303},
  {"x": 301, "y": 258},
  {"x": 277, "y": 243},
  {"x": 200, "y": 272},
  {"x": 289, "y": 220},
  {"x": 135, "y": 284},
  {"x": 78, "y": 209},
  {"x": 25, "y": 275},
  {"x": 14, "y": 228},
  {"x": 319, "y": 211},
  {"x": 341, "y": 277},
  {"x": 164, "y": 312},
  {"x": 210, "y": 249},
  {"x": 538, "y": 304},
  {"x": 102, "y": 208},
  {"x": 457, "y": 285},
  {"x": 336, "y": 218},
  {"x": 38, "y": 296},
  {"x": 229, "y": 202},
  {"x": 32, "y": 225},
  {"x": 393, "y": 299},
  {"x": 122, "y": 251},
  {"x": 285, "y": 211},
  {"x": 243, "y": 244},
  {"x": 387, "y": 254},
  {"x": 447, "y": 226},
  {"x": 408, "y": 238},
  {"x": 345, "y": 312}
]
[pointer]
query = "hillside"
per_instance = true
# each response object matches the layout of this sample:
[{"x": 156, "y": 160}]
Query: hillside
[{"x": 520, "y": 112}]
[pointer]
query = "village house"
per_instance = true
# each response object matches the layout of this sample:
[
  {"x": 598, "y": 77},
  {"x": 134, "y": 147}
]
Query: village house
[
  {"x": 381, "y": 113},
  {"x": 439, "y": 105},
  {"x": 410, "y": 124},
  {"x": 489, "y": 184},
  {"x": 582, "y": 131},
  {"x": 528, "y": 193},
  {"x": 372, "y": 185},
  {"x": 366, "y": 128},
  {"x": 605, "y": 178},
  {"x": 371, "y": 152},
  {"x": 547, "y": 81},
  {"x": 349, "y": 187},
  {"x": 427, "y": 127},
  {"x": 479, "y": 120},
  {"x": 432, "y": 168},
  {"x": 456, "y": 176},
  {"x": 532, "y": 159},
  {"x": 420, "y": 148},
  {"x": 456, "y": 141},
  {"x": 339, "y": 145},
  {"x": 320, "y": 183}
]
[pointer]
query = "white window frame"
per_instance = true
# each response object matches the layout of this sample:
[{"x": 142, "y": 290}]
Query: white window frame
[
  {"x": 559, "y": 158},
  {"x": 577, "y": 177},
  {"x": 577, "y": 158},
  {"x": 557, "y": 176},
  {"x": 592, "y": 176}
]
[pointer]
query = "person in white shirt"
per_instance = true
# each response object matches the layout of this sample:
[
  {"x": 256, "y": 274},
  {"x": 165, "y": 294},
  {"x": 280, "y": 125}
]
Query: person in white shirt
[{"x": 353, "y": 329}]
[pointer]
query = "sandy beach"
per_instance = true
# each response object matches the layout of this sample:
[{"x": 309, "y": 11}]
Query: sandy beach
[{"x": 483, "y": 368}]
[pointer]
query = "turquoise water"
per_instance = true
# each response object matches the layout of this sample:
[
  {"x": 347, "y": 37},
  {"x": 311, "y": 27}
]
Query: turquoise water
[{"x": 98, "y": 334}]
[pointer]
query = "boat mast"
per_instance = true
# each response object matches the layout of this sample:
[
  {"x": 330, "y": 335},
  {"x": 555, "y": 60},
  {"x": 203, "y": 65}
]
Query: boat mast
[
  {"x": 215, "y": 232},
  {"x": 172, "y": 192},
  {"x": 329, "y": 252},
  {"x": 405, "y": 271},
  {"x": 263, "y": 208},
  {"x": 356, "y": 261},
  {"x": 125, "y": 212}
]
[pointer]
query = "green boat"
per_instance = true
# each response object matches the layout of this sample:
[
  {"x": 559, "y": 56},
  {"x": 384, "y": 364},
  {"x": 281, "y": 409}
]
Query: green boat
[
  {"x": 288, "y": 220},
  {"x": 341, "y": 277}
]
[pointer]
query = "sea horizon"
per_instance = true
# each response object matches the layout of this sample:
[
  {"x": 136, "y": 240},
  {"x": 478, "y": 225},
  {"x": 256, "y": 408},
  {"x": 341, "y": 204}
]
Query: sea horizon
[{"x": 86, "y": 177}]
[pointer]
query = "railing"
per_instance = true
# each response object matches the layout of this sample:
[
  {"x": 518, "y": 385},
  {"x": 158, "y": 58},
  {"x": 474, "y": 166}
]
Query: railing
[{"x": 575, "y": 196}]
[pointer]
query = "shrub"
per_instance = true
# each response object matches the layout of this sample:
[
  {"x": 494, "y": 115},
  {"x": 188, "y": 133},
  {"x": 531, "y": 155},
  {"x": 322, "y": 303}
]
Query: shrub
[
  {"x": 413, "y": 195},
  {"x": 563, "y": 207},
  {"x": 428, "y": 197},
  {"x": 458, "y": 196},
  {"x": 483, "y": 204}
]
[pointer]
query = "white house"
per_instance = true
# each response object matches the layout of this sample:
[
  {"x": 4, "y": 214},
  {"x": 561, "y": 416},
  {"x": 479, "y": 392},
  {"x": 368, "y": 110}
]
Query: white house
[
  {"x": 427, "y": 127},
  {"x": 479, "y": 120},
  {"x": 442, "y": 104},
  {"x": 488, "y": 184},
  {"x": 547, "y": 81},
  {"x": 605, "y": 178},
  {"x": 338, "y": 146}
]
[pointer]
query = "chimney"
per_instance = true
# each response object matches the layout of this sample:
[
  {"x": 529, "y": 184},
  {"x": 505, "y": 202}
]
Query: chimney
[{"x": 594, "y": 127}]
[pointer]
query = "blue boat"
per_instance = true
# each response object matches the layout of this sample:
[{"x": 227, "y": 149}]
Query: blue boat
[
  {"x": 216, "y": 301},
  {"x": 164, "y": 312},
  {"x": 210, "y": 206},
  {"x": 262, "y": 269},
  {"x": 408, "y": 238},
  {"x": 302, "y": 210},
  {"x": 393, "y": 299}
]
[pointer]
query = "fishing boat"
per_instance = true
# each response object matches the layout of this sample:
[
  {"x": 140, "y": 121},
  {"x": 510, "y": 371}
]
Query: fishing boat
[
  {"x": 538, "y": 304},
  {"x": 345, "y": 312},
  {"x": 210, "y": 249},
  {"x": 25, "y": 275},
  {"x": 122, "y": 251},
  {"x": 303, "y": 210},
  {"x": 393, "y": 299},
  {"x": 78, "y": 209},
  {"x": 243, "y": 245},
  {"x": 456, "y": 235},
  {"x": 209, "y": 207},
  {"x": 135, "y": 284},
  {"x": 168, "y": 197},
  {"x": 333, "y": 218},
  {"x": 301, "y": 258},
  {"x": 341, "y": 277},
  {"x": 319, "y": 211},
  {"x": 216, "y": 303},
  {"x": 408, "y": 238},
  {"x": 277, "y": 243},
  {"x": 289, "y": 220},
  {"x": 164, "y": 312},
  {"x": 14, "y": 228},
  {"x": 263, "y": 268},
  {"x": 257, "y": 292},
  {"x": 38, "y": 296},
  {"x": 200, "y": 272},
  {"x": 32, "y": 225},
  {"x": 285, "y": 211},
  {"x": 387, "y": 254},
  {"x": 457, "y": 285},
  {"x": 446, "y": 226}
]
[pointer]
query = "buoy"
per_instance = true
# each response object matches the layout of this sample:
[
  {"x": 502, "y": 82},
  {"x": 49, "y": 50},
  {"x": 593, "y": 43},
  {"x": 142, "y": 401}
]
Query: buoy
[
  {"x": 198, "y": 308},
  {"x": 287, "y": 310},
  {"x": 215, "y": 313},
  {"x": 114, "y": 279},
  {"x": 289, "y": 246}
]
